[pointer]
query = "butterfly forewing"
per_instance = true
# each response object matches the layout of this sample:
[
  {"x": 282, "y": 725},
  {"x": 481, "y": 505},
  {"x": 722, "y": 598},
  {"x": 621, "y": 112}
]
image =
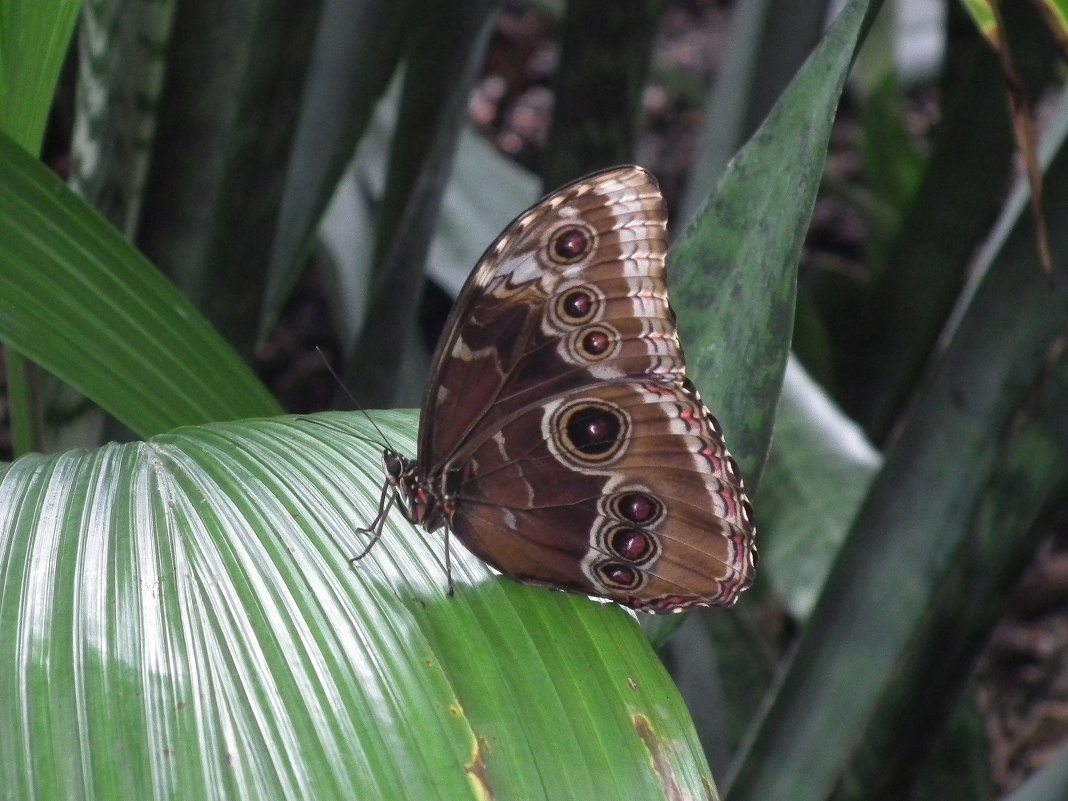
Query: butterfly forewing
[{"x": 512, "y": 338}]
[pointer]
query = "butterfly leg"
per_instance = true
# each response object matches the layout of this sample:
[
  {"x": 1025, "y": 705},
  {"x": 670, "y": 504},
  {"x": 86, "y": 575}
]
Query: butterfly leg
[
  {"x": 375, "y": 528},
  {"x": 448, "y": 564}
]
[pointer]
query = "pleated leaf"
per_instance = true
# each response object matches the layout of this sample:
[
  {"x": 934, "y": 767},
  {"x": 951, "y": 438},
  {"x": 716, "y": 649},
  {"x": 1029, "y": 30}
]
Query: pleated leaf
[{"x": 179, "y": 619}]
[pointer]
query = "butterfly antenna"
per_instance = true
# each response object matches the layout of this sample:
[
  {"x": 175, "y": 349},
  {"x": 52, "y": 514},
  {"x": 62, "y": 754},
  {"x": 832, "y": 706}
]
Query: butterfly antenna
[{"x": 329, "y": 368}]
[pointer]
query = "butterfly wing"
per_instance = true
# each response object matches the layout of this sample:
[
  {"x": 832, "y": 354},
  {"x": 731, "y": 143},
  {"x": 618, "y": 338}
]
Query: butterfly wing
[
  {"x": 572, "y": 293},
  {"x": 624, "y": 490},
  {"x": 560, "y": 424}
]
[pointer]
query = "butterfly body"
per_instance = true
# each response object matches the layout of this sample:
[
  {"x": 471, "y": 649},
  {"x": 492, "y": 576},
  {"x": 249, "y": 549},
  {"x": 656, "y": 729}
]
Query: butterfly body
[{"x": 560, "y": 438}]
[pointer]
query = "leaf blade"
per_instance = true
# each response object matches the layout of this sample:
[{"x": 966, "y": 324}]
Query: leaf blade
[
  {"x": 206, "y": 576},
  {"x": 82, "y": 303}
]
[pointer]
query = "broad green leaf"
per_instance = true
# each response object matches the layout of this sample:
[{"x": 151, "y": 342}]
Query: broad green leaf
[
  {"x": 80, "y": 301},
  {"x": 948, "y": 519},
  {"x": 34, "y": 38},
  {"x": 735, "y": 268},
  {"x": 179, "y": 619}
]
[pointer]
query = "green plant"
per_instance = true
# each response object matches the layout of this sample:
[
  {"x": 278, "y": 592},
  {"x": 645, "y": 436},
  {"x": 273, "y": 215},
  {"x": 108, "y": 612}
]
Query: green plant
[{"x": 178, "y": 616}]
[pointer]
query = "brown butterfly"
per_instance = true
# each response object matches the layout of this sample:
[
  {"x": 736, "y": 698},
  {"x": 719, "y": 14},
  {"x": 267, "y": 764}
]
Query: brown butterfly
[{"x": 560, "y": 438}]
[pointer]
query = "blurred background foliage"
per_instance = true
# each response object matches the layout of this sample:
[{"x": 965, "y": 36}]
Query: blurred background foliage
[{"x": 325, "y": 174}]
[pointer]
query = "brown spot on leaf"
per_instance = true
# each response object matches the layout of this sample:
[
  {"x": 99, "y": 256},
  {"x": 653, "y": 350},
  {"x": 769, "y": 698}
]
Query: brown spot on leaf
[
  {"x": 662, "y": 753},
  {"x": 477, "y": 773}
]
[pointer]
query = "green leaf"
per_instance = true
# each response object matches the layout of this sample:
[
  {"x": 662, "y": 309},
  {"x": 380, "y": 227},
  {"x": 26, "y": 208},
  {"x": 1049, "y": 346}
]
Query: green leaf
[
  {"x": 819, "y": 470},
  {"x": 34, "y": 38},
  {"x": 179, "y": 618},
  {"x": 949, "y": 519},
  {"x": 80, "y": 301},
  {"x": 442, "y": 58},
  {"x": 358, "y": 48},
  {"x": 735, "y": 268}
]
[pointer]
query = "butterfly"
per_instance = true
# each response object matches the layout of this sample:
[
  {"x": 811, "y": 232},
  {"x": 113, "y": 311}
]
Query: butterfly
[{"x": 560, "y": 439}]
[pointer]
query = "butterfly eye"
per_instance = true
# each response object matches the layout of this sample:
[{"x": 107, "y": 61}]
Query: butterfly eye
[
  {"x": 394, "y": 466},
  {"x": 570, "y": 244}
]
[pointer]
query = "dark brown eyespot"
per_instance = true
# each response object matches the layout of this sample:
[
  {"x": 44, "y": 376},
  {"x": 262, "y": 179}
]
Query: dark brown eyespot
[
  {"x": 595, "y": 343},
  {"x": 593, "y": 430},
  {"x": 577, "y": 305},
  {"x": 619, "y": 576},
  {"x": 630, "y": 544},
  {"x": 587, "y": 432},
  {"x": 638, "y": 508},
  {"x": 570, "y": 244}
]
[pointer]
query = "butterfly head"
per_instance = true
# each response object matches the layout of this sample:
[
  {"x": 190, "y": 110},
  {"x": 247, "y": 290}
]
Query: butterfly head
[{"x": 396, "y": 467}]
